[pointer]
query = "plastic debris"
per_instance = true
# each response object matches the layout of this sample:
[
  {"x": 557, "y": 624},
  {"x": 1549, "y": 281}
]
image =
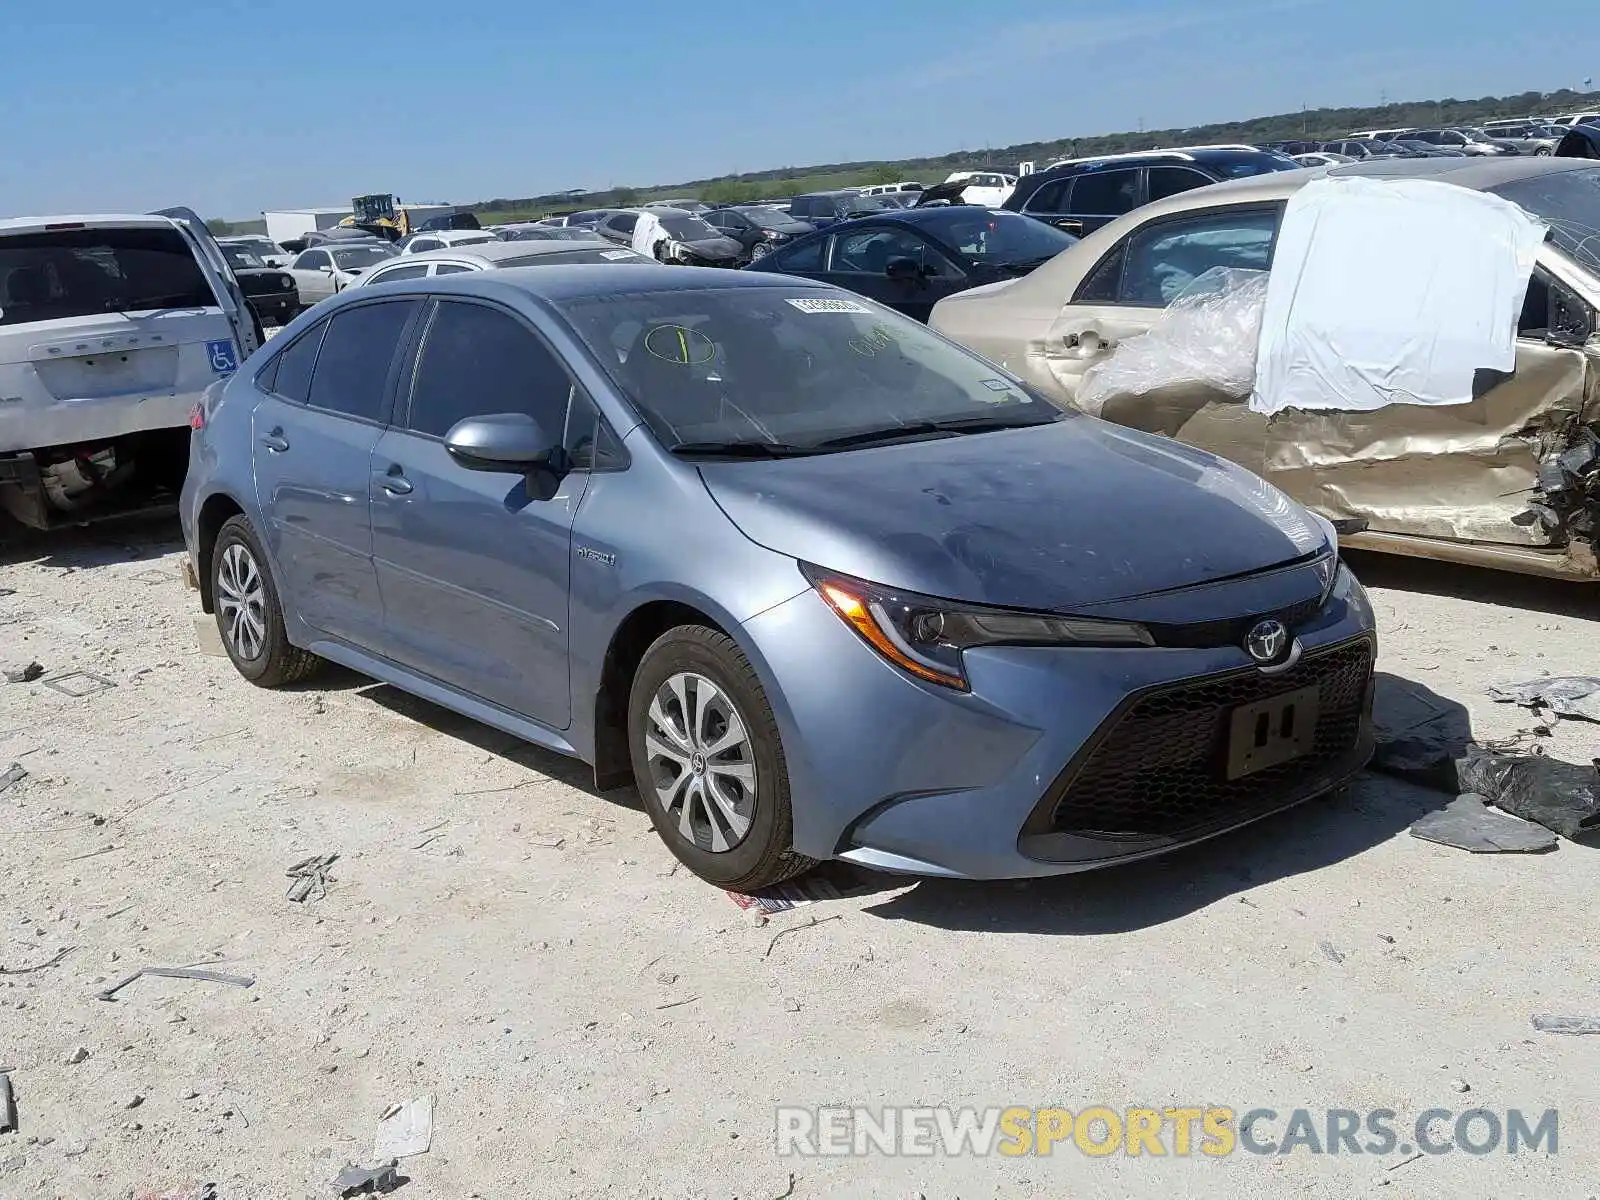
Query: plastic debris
[
  {"x": 1558, "y": 795},
  {"x": 1419, "y": 734},
  {"x": 1207, "y": 336},
  {"x": 24, "y": 674},
  {"x": 310, "y": 877},
  {"x": 110, "y": 993},
  {"x": 1468, "y": 823},
  {"x": 406, "y": 1131},
  {"x": 8, "y": 1106},
  {"x": 15, "y": 773},
  {"x": 362, "y": 1181},
  {"x": 1575, "y": 696},
  {"x": 1548, "y": 1023}
]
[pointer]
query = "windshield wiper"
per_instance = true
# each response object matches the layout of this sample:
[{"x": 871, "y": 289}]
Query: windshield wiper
[
  {"x": 742, "y": 449},
  {"x": 957, "y": 425}
]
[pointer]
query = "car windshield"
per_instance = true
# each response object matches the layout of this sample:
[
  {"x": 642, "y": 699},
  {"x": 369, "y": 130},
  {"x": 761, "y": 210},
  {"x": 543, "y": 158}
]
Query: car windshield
[
  {"x": 865, "y": 203},
  {"x": 1000, "y": 238},
  {"x": 359, "y": 257},
  {"x": 688, "y": 229},
  {"x": 1475, "y": 135},
  {"x": 77, "y": 272},
  {"x": 768, "y": 218},
  {"x": 1570, "y": 202},
  {"x": 789, "y": 370},
  {"x": 242, "y": 260}
]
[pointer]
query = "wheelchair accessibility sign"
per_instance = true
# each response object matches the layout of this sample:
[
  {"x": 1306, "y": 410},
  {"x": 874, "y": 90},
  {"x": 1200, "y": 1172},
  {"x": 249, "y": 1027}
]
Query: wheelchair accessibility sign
[{"x": 224, "y": 358}]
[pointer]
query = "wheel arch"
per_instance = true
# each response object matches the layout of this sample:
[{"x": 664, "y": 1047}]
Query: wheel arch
[
  {"x": 635, "y": 634},
  {"x": 216, "y": 511}
]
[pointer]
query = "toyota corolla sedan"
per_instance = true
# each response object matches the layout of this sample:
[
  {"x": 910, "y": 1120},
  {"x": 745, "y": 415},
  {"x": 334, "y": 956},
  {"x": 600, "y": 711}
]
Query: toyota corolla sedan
[{"x": 819, "y": 582}]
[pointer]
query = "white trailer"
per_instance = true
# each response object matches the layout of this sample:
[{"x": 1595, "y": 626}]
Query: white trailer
[{"x": 287, "y": 224}]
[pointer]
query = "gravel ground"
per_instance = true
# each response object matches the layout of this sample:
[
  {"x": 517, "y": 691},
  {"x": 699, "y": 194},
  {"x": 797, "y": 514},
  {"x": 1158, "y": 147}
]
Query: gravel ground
[{"x": 593, "y": 1022}]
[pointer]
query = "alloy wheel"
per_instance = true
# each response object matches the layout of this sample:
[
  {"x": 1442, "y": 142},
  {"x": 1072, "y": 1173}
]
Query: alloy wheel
[
  {"x": 702, "y": 762},
  {"x": 242, "y": 601}
]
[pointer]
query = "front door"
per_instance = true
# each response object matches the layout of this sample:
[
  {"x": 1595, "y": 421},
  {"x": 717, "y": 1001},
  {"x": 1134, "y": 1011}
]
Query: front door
[
  {"x": 473, "y": 565},
  {"x": 861, "y": 263},
  {"x": 313, "y": 438}
]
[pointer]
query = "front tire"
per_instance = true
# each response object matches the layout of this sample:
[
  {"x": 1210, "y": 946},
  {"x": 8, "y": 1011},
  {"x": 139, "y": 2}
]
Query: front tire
[
  {"x": 709, "y": 763},
  {"x": 249, "y": 615},
  {"x": 759, "y": 251}
]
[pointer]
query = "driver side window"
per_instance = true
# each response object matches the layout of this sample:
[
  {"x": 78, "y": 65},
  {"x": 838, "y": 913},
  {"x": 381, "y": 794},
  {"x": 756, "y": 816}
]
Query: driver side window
[{"x": 869, "y": 252}]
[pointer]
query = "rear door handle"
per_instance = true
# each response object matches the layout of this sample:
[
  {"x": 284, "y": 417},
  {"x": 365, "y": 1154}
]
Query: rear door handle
[
  {"x": 275, "y": 441},
  {"x": 395, "y": 482}
]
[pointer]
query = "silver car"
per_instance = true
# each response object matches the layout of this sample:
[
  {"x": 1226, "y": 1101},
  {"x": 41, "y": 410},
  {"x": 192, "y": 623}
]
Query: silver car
[
  {"x": 818, "y": 582},
  {"x": 490, "y": 256}
]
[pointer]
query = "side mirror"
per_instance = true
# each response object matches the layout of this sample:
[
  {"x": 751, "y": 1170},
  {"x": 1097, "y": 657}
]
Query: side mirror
[
  {"x": 505, "y": 442},
  {"x": 904, "y": 270}
]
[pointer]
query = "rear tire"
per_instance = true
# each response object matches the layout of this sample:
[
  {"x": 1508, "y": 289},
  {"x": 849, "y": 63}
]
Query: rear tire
[
  {"x": 249, "y": 615},
  {"x": 709, "y": 763}
]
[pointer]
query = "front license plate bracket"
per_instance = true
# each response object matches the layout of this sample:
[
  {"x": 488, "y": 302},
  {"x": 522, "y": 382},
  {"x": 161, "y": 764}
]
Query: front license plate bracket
[{"x": 1272, "y": 731}]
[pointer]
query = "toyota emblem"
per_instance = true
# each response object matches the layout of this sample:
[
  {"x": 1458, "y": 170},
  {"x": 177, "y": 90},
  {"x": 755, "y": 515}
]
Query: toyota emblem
[{"x": 1266, "y": 641}]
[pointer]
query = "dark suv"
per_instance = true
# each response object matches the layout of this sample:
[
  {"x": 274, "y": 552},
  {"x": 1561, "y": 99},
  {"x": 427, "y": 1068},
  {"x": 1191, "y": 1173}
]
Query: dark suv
[{"x": 1081, "y": 195}]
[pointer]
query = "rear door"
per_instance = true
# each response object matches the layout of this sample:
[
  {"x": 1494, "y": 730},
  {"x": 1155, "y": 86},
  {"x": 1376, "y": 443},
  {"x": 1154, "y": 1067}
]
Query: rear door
[
  {"x": 234, "y": 306},
  {"x": 328, "y": 396},
  {"x": 474, "y": 565},
  {"x": 1127, "y": 292},
  {"x": 1099, "y": 197}
]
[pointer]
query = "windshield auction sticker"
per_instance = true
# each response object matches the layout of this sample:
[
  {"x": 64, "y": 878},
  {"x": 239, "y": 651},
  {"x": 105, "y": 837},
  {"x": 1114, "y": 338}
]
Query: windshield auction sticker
[{"x": 831, "y": 306}]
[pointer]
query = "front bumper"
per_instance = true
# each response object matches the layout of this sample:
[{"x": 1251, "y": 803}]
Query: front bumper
[
  {"x": 275, "y": 305},
  {"x": 1041, "y": 769}
]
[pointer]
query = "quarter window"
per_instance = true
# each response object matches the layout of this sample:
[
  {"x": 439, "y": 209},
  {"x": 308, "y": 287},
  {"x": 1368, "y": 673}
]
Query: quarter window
[
  {"x": 411, "y": 272},
  {"x": 478, "y": 360},
  {"x": 290, "y": 374},
  {"x": 352, "y": 374},
  {"x": 450, "y": 269}
]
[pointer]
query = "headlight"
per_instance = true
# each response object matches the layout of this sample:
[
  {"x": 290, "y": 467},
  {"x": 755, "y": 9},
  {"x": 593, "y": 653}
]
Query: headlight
[
  {"x": 1329, "y": 565},
  {"x": 772, "y": 235},
  {"x": 285, "y": 282},
  {"x": 681, "y": 252},
  {"x": 926, "y": 637}
]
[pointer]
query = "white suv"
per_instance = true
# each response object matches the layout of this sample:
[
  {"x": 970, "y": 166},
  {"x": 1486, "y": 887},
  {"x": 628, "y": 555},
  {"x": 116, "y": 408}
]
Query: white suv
[
  {"x": 987, "y": 189},
  {"x": 110, "y": 329}
]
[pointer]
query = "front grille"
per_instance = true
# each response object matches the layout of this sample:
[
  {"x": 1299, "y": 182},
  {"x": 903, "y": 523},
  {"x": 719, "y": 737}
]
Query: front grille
[
  {"x": 1233, "y": 630},
  {"x": 1159, "y": 767}
]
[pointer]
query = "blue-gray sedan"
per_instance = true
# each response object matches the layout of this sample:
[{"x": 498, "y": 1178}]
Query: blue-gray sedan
[{"x": 821, "y": 583}]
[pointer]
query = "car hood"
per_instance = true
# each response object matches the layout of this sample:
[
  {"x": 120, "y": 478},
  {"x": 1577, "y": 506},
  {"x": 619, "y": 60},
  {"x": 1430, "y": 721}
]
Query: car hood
[{"x": 1057, "y": 517}]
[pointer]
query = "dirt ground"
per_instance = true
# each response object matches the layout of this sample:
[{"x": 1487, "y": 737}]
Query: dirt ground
[{"x": 592, "y": 1022}]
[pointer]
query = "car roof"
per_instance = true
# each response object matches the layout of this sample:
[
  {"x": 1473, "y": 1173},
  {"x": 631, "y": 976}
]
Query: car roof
[
  {"x": 558, "y": 282},
  {"x": 93, "y": 221},
  {"x": 1479, "y": 174},
  {"x": 494, "y": 252}
]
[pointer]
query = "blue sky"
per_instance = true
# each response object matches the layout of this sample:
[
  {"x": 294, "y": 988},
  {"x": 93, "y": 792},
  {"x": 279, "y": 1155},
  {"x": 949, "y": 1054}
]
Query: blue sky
[{"x": 233, "y": 107}]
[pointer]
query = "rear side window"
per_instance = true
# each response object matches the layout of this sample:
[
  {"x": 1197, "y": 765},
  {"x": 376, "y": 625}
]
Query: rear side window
[
  {"x": 478, "y": 360},
  {"x": 79, "y": 272},
  {"x": 806, "y": 257},
  {"x": 352, "y": 371},
  {"x": 289, "y": 375},
  {"x": 1170, "y": 181},
  {"x": 416, "y": 271},
  {"x": 1165, "y": 257},
  {"x": 1049, "y": 199},
  {"x": 1105, "y": 194}
]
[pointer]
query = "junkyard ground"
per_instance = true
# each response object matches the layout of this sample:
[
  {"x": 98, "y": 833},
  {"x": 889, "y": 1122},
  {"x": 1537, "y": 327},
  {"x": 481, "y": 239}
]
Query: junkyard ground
[{"x": 593, "y": 1022}]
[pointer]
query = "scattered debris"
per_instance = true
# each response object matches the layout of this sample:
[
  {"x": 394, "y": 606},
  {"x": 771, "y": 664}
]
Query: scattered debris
[
  {"x": 789, "y": 895},
  {"x": 783, "y": 933},
  {"x": 1575, "y": 696},
  {"x": 1468, "y": 823},
  {"x": 1419, "y": 734},
  {"x": 80, "y": 1055},
  {"x": 110, "y": 993},
  {"x": 24, "y": 674},
  {"x": 15, "y": 773},
  {"x": 8, "y": 1105},
  {"x": 1328, "y": 952},
  {"x": 1404, "y": 1161},
  {"x": 406, "y": 1131},
  {"x": 676, "y": 1003},
  {"x": 362, "y": 1181},
  {"x": 51, "y": 962},
  {"x": 788, "y": 1191},
  {"x": 1460, "y": 1085},
  {"x": 133, "y": 1101},
  {"x": 1559, "y": 795},
  {"x": 1548, "y": 1023},
  {"x": 310, "y": 875},
  {"x": 78, "y": 684},
  {"x": 547, "y": 841},
  {"x": 791, "y": 1006}
]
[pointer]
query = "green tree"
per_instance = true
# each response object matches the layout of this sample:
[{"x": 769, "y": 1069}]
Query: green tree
[
  {"x": 219, "y": 227},
  {"x": 624, "y": 197}
]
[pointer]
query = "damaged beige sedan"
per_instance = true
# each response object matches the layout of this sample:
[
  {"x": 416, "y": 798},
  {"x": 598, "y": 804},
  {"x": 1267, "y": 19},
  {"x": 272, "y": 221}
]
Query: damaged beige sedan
[{"x": 1405, "y": 346}]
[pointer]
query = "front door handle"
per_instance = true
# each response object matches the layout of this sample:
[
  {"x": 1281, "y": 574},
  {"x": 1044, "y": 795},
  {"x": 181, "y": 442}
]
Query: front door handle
[
  {"x": 275, "y": 441},
  {"x": 395, "y": 482}
]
